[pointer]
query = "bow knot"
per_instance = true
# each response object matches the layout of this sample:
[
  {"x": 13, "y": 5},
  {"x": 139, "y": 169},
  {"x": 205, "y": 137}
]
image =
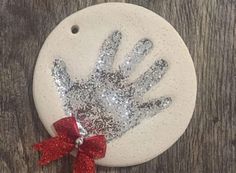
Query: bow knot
[
  {"x": 79, "y": 141},
  {"x": 69, "y": 138}
]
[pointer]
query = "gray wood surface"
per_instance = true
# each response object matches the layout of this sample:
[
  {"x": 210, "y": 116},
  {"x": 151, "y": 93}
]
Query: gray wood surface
[{"x": 208, "y": 27}]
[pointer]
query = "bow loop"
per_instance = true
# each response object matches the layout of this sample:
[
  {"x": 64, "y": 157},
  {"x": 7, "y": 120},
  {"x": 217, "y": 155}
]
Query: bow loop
[
  {"x": 94, "y": 146},
  {"x": 67, "y": 127}
]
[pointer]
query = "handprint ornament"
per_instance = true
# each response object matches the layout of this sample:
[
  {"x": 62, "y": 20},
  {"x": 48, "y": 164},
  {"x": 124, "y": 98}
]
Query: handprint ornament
[{"x": 125, "y": 74}]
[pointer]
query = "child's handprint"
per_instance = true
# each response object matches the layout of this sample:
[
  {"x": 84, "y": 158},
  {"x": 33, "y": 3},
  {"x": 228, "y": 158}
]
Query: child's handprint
[{"x": 106, "y": 102}]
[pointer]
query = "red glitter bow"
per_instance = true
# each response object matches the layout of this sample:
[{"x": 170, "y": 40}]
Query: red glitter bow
[{"x": 67, "y": 136}]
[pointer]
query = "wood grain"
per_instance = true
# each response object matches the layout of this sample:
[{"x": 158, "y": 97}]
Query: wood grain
[{"x": 208, "y": 27}]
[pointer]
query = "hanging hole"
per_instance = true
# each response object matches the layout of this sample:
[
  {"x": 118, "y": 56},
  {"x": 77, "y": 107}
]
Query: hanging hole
[{"x": 75, "y": 29}]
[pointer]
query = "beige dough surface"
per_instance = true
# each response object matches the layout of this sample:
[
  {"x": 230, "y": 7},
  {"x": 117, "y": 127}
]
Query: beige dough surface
[{"x": 80, "y": 51}]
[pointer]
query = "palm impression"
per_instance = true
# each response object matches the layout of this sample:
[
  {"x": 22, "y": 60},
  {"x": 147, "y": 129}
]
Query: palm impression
[{"x": 107, "y": 103}]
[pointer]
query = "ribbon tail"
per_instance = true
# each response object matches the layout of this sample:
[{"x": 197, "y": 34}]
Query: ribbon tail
[
  {"x": 83, "y": 164},
  {"x": 53, "y": 148}
]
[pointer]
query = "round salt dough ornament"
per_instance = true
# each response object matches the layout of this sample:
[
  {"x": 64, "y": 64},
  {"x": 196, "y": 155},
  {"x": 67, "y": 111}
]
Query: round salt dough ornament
[{"x": 122, "y": 71}]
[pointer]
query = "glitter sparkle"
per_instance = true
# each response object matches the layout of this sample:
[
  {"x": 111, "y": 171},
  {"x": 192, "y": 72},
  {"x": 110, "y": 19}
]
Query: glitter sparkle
[{"x": 107, "y": 103}]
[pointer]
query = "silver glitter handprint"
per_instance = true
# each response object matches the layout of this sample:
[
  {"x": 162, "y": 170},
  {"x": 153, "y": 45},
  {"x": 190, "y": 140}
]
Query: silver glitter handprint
[{"x": 107, "y": 103}]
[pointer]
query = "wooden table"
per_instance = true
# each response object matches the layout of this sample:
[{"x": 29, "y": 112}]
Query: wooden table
[{"x": 208, "y": 27}]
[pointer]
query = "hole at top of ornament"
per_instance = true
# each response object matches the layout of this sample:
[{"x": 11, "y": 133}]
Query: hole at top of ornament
[{"x": 75, "y": 29}]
